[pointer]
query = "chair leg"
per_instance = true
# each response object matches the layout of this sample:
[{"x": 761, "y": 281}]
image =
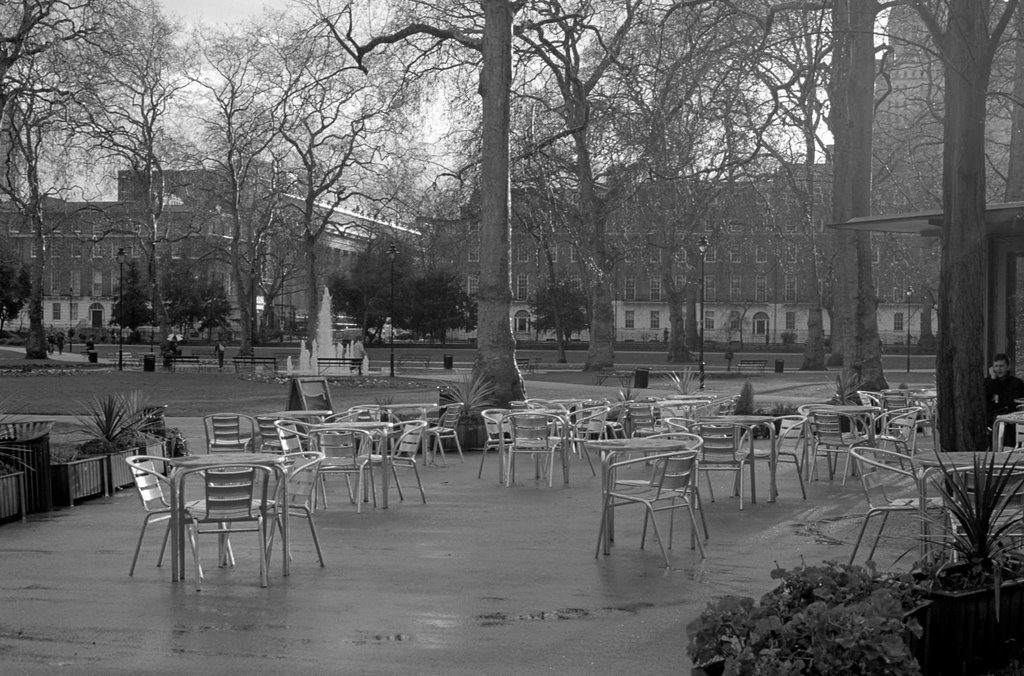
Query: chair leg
[
  {"x": 878, "y": 536},
  {"x": 483, "y": 456},
  {"x": 138, "y": 546},
  {"x": 860, "y": 536},
  {"x": 316, "y": 540}
]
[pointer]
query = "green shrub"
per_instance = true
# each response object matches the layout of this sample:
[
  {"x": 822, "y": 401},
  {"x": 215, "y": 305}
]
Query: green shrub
[{"x": 745, "y": 402}]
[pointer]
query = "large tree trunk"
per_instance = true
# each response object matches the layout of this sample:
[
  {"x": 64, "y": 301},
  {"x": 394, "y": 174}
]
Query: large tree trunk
[
  {"x": 602, "y": 313},
  {"x": 960, "y": 361},
  {"x": 495, "y": 356},
  {"x": 1015, "y": 171},
  {"x": 814, "y": 348},
  {"x": 35, "y": 346},
  {"x": 851, "y": 99}
]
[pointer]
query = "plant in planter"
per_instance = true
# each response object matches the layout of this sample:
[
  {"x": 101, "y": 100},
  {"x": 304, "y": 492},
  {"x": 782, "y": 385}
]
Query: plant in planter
[
  {"x": 846, "y": 388},
  {"x": 74, "y": 476},
  {"x": 475, "y": 392},
  {"x": 830, "y": 619},
  {"x": 113, "y": 423},
  {"x": 975, "y": 579}
]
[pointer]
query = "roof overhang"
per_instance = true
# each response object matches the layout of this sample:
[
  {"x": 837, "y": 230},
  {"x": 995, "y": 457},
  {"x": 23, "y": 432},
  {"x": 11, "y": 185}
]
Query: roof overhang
[{"x": 998, "y": 219}]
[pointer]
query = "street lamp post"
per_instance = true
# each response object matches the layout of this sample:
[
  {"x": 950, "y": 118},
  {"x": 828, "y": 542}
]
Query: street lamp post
[
  {"x": 702, "y": 246},
  {"x": 121, "y": 258},
  {"x": 392, "y": 252},
  {"x": 909, "y": 291}
]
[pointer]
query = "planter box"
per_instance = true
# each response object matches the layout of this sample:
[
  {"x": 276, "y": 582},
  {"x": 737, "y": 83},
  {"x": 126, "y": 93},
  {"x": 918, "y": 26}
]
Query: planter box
[
  {"x": 472, "y": 434},
  {"x": 119, "y": 474},
  {"x": 33, "y": 455},
  {"x": 961, "y": 634},
  {"x": 12, "y": 497},
  {"x": 79, "y": 479}
]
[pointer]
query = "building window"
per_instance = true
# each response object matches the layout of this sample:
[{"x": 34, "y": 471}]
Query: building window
[
  {"x": 655, "y": 289},
  {"x": 629, "y": 289},
  {"x": 679, "y": 282},
  {"x": 73, "y": 311},
  {"x": 789, "y": 226},
  {"x": 709, "y": 288},
  {"x": 56, "y": 312},
  {"x": 735, "y": 288},
  {"x": 791, "y": 254},
  {"x": 655, "y": 319},
  {"x": 472, "y": 284},
  {"x": 735, "y": 226},
  {"x": 711, "y": 256},
  {"x": 523, "y": 255},
  {"x": 654, "y": 256},
  {"x": 760, "y": 324},
  {"x": 573, "y": 255},
  {"x": 709, "y": 320},
  {"x": 734, "y": 320},
  {"x": 33, "y": 250},
  {"x": 576, "y": 284},
  {"x": 522, "y": 322},
  {"x": 97, "y": 283},
  {"x": 790, "y": 321},
  {"x": 522, "y": 287},
  {"x": 630, "y": 321},
  {"x": 76, "y": 282},
  {"x": 789, "y": 293},
  {"x": 761, "y": 254},
  {"x": 897, "y": 321},
  {"x": 554, "y": 253},
  {"x": 735, "y": 255},
  {"x": 474, "y": 253},
  {"x": 760, "y": 288}
]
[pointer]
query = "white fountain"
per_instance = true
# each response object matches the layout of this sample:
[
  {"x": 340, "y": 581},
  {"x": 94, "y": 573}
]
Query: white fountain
[{"x": 323, "y": 345}]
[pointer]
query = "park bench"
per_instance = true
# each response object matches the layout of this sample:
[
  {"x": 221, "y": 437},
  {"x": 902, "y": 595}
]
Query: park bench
[
  {"x": 186, "y": 361},
  {"x": 324, "y": 363},
  {"x": 527, "y": 364},
  {"x": 422, "y": 357},
  {"x": 759, "y": 364},
  {"x": 254, "y": 362},
  {"x": 624, "y": 377}
]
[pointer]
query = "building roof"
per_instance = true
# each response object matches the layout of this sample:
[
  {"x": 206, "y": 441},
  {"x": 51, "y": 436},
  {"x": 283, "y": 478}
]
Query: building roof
[{"x": 929, "y": 223}]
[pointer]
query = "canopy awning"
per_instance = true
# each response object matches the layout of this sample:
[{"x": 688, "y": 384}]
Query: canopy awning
[{"x": 929, "y": 223}]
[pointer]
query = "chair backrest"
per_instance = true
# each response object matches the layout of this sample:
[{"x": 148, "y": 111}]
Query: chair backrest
[
  {"x": 893, "y": 399},
  {"x": 301, "y": 478},
  {"x": 451, "y": 414},
  {"x": 411, "y": 440},
  {"x": 722, "y": 442},
  {"x": 901, "y": 423},
  {"x": 678, "y": 472},
  {"x": 885, "y": 475},
  {"x": 233, "y": 492},
  {"x": 590, "y": 422},
  {"x": 791, "y": 429},
  {"x": 690, "y": 441},
  {"x": 641, "y": 416},
  {"x": 365, "y": 412},
  {"x": 149, "y": 482},
  {"x": 869, "y": 398},
  {"x": 493, "y": 422},
  {"x": 827, "y": 426},
  {"x": 338, "y": 443},
  {"x": 235, "y": 430},
  {"x": 267, "y": 431},
  {"x": 531, "y": 430},
  {"x": 678, "y": 424},
  {"x": 291, "y": 434},
  {"x": 725, "y": 406}
]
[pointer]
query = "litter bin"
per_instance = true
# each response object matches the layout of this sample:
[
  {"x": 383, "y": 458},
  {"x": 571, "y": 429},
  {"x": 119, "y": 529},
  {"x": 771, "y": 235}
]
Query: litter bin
[
  {"x": 779, "y": 365},
  {"x": 94, "y": 357},
  {"x": 641, "y": 378},
  {"x": 448, "y": 361},
  {"x": 149, "y": 362}
]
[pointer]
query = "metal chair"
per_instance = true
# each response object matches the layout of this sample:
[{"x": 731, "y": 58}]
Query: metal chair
[
  {"x": 539, "y": 434},
  {"x": 236, "y": 498},
  {"x": 149, "y": 484},
  {"x": 297, "y": 497},
  {"x": 497, "y": 429},
  {"x": 670, "y": 485},
  {"x": 403, "y": 454},
  {"x": 791, "y": 444},
  {"x": 898, "y": 427},
  {"x": 347, "y": 453},
  {"x": 834, "y": 433},
  {"x": 445, "y": 429},
  {"x": 889, "y": 488},
  {"x": 230, "y": 433},
  {"x": 727, "y": 448}
]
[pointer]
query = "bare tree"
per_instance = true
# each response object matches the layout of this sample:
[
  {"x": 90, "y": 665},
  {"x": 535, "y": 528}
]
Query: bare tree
[
  {"x": 136, "y": 73},
  {"x": 36, "y": 38},
  {"x": 966, "y": 34}
]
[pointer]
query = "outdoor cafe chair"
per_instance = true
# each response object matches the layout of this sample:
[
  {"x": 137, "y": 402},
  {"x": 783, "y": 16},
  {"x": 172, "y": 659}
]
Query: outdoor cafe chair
[
  {"x": 266, "y": 430},
  {"x": 669, "y": 484},
  {"x": 497, "y": 430},
  {"x": 727, "y": 448},
  {"x": 834, "y": 433},
  {"x": 642, "y": 422},
  {"x": 870, "y": 398},
  {"x": 236, "y": 499},
  {"x": 898, "y": 427},
  {"x": 149, "y": 484},
  {"x": 538, "y": 434},
  {"x": 230, "y": 433},
  {"x": 403, "y": 454},
  {"x": 890, "y": 487},
  {"x": 445, "y": 429},
  {"x": 347, "y": 453},
  {"x": 589, "y": 424},
  {"x": 297, "y": 497},
  {"x": 791, "y": 444}
]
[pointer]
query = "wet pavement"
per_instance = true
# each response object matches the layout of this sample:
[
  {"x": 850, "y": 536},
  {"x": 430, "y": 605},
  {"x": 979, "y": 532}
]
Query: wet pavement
[{"x": 483, "y": 579}]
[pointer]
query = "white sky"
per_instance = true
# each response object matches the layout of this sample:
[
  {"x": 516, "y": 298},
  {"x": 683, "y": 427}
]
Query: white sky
[{"x": 218, "y": 11}]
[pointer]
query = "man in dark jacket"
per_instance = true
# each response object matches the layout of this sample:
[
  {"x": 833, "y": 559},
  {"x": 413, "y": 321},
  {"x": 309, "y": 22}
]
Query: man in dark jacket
[{"x": 1002, "y": 389}]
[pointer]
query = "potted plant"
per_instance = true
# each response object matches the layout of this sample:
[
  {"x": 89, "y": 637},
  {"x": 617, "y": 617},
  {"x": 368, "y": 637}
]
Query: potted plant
[
  {"x": 75, "y": 476},
  {"x": 829, "y": 619},
  {"x": 975, "y": 580},
  {"x": 113, "y": 423},
  {"x": 475, "y": 392}
]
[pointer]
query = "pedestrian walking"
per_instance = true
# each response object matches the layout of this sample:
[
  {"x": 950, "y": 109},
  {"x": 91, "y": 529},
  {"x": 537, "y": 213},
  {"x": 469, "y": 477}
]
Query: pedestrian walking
[
  {"x": 60, "y": 342},
  {"x": 220, "y": 354}
]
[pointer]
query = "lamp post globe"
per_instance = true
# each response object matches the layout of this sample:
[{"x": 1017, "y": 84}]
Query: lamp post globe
[
  {"x": 702, "y": 247},
  {"x": 121, "y": 258}
]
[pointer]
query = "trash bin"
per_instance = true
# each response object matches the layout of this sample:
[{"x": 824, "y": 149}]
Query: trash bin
[
  {"x": 779, "y": 365},
  {"x": 641, "y": 378},
  {"x": 448, "y": 361},
  {"x": 149, "y": 362},
  {"x": 94, "y": 356}
]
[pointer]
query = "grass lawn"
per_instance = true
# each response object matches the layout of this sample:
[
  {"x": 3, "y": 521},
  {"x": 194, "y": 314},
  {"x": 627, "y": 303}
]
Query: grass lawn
[{"x": 55, "y": 390}]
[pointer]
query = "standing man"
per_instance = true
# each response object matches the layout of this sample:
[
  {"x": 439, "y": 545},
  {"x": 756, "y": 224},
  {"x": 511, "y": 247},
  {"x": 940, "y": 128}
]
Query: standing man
[{"x": 220, "y": 354}]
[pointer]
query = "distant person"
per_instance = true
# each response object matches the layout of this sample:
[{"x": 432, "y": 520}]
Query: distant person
[
  {"x": 359, "y": 352},
  {"x": 50, "y": 342},
  {"x": 1002, "y": 388},
  {"x": 60, "y": 342},
  {"x": 219, "y": 349}
]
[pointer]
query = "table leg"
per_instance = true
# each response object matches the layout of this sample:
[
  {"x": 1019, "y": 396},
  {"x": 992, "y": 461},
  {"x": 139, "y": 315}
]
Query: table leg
[{"x": 753, "y": 461}]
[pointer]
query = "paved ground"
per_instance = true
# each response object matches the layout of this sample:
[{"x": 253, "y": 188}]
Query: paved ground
[{"x": 481, "y": 579}]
